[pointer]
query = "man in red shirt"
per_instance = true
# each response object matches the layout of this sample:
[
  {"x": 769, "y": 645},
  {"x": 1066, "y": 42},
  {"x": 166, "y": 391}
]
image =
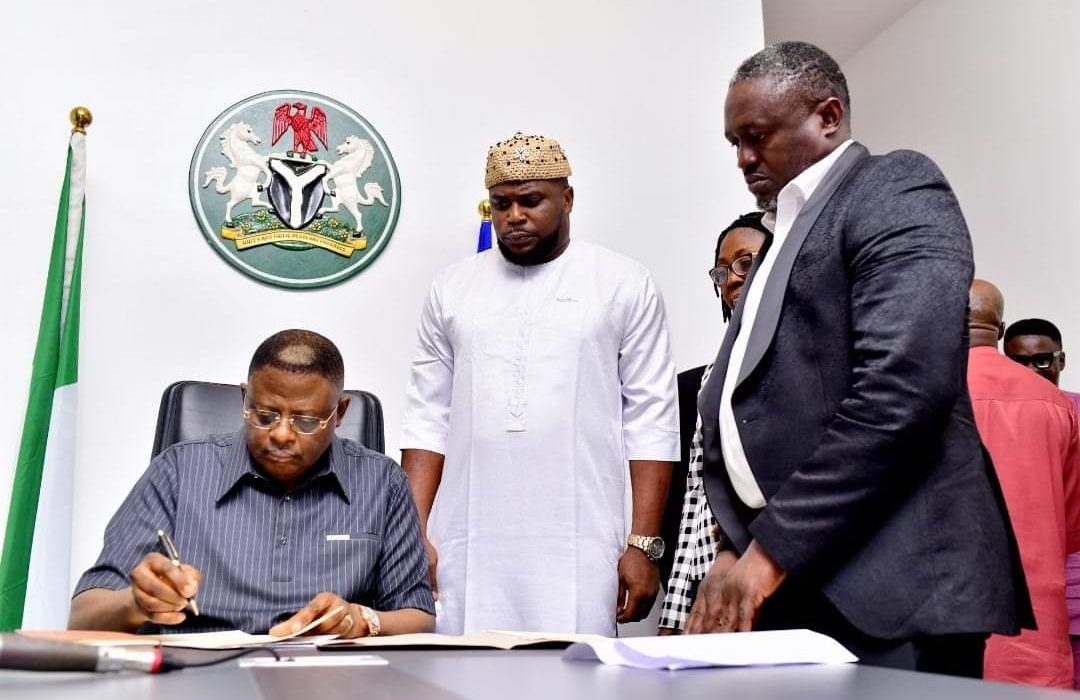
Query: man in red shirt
[
  {"x": 1030, "y": 430},
  {"x": 1036, "y": 344}
]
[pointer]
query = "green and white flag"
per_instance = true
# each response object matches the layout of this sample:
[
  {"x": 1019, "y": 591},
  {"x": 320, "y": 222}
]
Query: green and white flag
[{"x": 35, "y": 568}]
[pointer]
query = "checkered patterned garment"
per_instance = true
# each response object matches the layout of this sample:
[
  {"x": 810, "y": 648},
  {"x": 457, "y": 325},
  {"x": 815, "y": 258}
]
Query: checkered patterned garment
[{"x": 698, "y": 543}]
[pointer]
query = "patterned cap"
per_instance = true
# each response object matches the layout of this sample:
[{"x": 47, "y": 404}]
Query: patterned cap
[{"x": 525, "y": 157}]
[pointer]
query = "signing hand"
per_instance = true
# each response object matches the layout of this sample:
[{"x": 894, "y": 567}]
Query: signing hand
[
  {"x": 160, "y": 590},
  {"x": 734, "y": 589},
  {"x": 639, "y": 581},
  {"x": 348, "y": 623}
]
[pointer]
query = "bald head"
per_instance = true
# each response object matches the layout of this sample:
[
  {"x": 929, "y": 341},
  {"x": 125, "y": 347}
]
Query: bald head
[
  {"x": 987, "y": 314},
  {"x": 300, "y": 352}
]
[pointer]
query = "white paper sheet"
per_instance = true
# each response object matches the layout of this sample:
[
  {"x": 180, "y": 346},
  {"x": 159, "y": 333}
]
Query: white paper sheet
[
  {"x": 699, "y": 650},
  {"x": 319, "y": 660}
]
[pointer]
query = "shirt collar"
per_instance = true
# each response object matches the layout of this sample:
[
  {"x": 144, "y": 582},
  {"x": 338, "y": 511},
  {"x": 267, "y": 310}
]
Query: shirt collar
[
  {"x": 238, "y": 466},
  {"x": 804, "y": 184},
  {"x": 539, "y": 268},
  {"x": 984, "y": 350}
]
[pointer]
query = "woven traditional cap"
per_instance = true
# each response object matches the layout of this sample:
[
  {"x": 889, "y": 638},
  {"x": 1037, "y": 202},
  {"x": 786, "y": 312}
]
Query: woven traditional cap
[{"x": 525, "y": 157}]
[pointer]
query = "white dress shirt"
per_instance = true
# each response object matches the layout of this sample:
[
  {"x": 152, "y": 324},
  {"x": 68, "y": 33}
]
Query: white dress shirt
[
  {"x": 789, "y": 203},
  {"x": 537, "y": 383}
]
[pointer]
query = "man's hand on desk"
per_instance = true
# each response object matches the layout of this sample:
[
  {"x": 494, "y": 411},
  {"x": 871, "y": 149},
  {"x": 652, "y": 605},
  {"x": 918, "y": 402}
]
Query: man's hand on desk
[
  {"x": 734, "y": 589},
  {"x": 639, "y": 581},
  {"x": 160, "y": 590},
  {"x": 347, "y": 624}
]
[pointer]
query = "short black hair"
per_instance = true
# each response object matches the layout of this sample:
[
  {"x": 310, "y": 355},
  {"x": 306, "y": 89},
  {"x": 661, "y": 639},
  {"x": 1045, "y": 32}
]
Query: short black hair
[
  {"x": 300, "y": 351},
  {"x": 811, "y": 72},
  {"x": 752, "y": 220},
  {"x": 1033, "y": 326}
]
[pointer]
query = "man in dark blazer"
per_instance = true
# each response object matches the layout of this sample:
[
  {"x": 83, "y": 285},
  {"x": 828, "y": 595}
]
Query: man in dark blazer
[{"x": 841, "y": 456}]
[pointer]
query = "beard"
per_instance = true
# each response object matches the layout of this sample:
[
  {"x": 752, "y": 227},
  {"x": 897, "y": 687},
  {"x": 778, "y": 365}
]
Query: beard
[
  {"x": 767, "y": 204},
  {"x": 541, "y": 253}
]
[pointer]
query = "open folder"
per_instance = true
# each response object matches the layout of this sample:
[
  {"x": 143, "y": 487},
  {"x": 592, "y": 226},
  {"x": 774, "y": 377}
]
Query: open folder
[
  {"x": 488, "y": 639},
  {"x": 231, "y": 639}
]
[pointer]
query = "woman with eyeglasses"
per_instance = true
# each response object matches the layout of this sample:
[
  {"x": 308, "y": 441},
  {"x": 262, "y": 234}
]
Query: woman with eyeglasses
[{"x": 737, "y": 247}]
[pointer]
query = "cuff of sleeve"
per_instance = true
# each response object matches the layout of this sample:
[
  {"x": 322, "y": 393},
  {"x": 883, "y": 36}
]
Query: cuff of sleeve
[
  {"x": 791, "y": 553},
  {"x": 419, "y": 598},
  {"x": 99, "y": 579},
  {"x": 669, "y": 621},
  {"x": 661, "y": 445},
  {"x": 415, "y": 437}
]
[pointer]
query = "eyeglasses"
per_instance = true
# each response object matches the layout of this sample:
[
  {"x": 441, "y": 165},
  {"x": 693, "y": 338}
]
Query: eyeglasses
[
  {"x": 1040, "y": 360},
  {"x": 739, "y": 267},
  {"x": 265, "y": 419}
]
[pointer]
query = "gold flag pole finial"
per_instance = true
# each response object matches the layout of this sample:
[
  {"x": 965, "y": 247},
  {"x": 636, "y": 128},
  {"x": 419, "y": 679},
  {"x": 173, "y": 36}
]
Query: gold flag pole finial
[
  {"x": 80, "y": 119},
  {"x": 484, "y": 208}
]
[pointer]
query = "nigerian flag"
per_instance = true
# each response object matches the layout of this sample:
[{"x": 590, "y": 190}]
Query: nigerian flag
[{"x": 35, "y": 565}]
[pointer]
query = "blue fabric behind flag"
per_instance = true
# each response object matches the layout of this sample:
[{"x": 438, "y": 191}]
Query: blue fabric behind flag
[{"x": 484, "y": 240}]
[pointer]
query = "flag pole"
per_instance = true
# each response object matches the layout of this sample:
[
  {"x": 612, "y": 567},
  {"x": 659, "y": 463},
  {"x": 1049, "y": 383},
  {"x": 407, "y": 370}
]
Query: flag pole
[
  {"x": 80, "y": 118},
  {"x": 37, "y": 485},
  {"x": 483, "y": 241}
]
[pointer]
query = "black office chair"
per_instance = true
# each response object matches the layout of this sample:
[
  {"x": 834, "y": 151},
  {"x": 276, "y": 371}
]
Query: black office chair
[{"x": 193, "y": 410}]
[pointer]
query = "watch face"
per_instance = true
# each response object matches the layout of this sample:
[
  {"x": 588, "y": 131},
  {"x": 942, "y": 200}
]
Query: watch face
[
  {"x": 656, "y": 548},
  {"x": 372, "y": 619}
]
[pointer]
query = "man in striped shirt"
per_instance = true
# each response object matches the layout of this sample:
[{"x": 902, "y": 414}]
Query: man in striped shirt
[{"x": 276, "y": 525}]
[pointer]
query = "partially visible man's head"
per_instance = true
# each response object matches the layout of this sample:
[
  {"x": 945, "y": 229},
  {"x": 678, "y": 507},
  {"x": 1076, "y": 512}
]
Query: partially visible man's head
[
  {"x": 1036, "y": 343},
  {"x": 531, "y": 199},
  {"x": 737, "y": 247},
  {"x": 787, "y": 108},
  {"x": 986, "y": 307},
  {"x": 293, "y": 402}
]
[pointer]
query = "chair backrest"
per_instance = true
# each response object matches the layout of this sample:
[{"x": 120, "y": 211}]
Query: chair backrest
[{"x": 193, "y": 410}]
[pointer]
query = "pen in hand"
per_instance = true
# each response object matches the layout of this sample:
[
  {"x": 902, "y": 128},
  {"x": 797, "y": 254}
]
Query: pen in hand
[{"x": 170, "y": 551}]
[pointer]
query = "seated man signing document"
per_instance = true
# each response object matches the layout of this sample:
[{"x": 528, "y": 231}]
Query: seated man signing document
[{"x": 274, "y": 526}]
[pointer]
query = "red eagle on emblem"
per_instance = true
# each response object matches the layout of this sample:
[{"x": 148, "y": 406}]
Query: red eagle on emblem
[{"x": 303, "y": 126}]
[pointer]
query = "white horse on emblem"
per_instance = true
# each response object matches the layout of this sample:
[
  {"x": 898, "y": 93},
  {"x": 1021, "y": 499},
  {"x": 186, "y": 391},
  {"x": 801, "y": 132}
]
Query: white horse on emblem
[
  {"x": 356, "y": 155},
  {"x": 236, "y": 145}
]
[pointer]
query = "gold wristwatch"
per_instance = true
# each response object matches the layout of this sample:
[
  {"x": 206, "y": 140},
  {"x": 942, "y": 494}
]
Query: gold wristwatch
[
  {"x": 372, "y": 619},
  {"x": 652, "y": 546}
]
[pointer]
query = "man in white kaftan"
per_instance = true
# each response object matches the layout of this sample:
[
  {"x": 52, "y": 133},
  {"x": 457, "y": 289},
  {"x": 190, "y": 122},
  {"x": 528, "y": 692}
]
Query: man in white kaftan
[{"x": 541, "y": 368}]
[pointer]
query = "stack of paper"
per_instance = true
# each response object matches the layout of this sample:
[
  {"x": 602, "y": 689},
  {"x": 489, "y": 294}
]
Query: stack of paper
[{"x": 699, "y": 650}]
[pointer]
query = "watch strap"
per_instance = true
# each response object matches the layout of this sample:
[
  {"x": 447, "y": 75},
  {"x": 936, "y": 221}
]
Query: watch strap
[
  {"x": 372, "y": 619},
  {"x": 644, "y": 543}
]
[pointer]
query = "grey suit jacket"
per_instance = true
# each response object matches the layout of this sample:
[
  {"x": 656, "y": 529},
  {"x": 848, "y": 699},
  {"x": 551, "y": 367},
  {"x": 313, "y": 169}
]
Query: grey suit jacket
[{"x": 853, "y": 412}]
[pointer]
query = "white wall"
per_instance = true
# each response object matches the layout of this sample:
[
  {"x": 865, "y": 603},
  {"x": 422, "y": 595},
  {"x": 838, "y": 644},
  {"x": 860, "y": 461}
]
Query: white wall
[
  {"x": 990, "y": 91},
  {"x": 633, "y": 89}
]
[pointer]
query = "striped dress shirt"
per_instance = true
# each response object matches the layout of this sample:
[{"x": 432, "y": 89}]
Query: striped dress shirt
[{"x": 350, "y": 528}]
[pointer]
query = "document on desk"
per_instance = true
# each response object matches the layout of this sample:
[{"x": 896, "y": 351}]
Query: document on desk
[
  {"x": 332, "y": 660},
  {"x": 676, "y": 652},
  {"x": 232, "y": 639},
  {"x": 488, "y": 639}
]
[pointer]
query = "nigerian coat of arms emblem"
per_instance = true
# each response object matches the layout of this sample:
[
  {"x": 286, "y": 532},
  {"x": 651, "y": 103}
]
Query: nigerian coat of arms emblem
[{"x": 294, "y": 189}]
